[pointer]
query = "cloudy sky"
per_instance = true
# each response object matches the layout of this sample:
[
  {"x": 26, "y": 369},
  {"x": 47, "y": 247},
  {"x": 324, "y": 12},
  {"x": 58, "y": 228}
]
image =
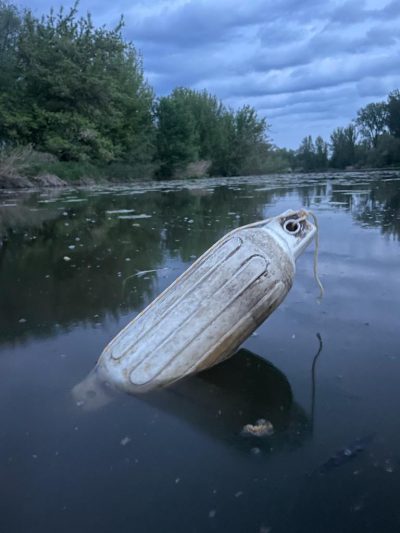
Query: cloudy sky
[{"x": 306, "y": 65}]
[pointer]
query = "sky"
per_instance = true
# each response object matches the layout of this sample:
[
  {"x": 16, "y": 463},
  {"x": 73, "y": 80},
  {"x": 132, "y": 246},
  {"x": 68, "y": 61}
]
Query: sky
[{"x": 305, "y": 65}]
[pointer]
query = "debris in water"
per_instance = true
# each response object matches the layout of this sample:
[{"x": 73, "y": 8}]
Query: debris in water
[
  {"x": 346, "y": 454},
  {"x": 132, "y": 217},
  {"x": 22, "y": 320},
  {"x": 389, "y": 466},
  {"x": 71, "y": 200},
  {"x": 262, "y": 428},
  {"x": 142, "y": 273},
  {"x": 125, "y": 441},
  {"x": 357, "y": 507},
  {"x": 212, "y": 513},
  {"x": 66, "y": 258},
  {"x": 120, "y": 211}
]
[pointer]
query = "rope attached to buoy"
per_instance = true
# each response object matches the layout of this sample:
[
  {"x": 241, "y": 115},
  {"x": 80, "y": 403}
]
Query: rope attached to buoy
[{"x": 316, "y": 250}]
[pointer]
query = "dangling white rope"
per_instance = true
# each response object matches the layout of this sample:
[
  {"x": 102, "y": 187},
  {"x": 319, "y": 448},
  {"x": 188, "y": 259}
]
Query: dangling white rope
[{"x": 316, "y": 250}]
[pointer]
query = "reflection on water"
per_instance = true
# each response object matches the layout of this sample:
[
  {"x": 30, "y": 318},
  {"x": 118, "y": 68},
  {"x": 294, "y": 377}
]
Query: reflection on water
[
  {"x": 86, "y": 248},
  {"x": 239, "y": 391},
  {"x": 221, "y": 401},
  {"x": 76, "y": 266}
]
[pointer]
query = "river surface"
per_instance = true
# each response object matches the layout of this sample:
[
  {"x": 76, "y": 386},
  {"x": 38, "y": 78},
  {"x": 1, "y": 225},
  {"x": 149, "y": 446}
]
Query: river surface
[{"x": 77, "y": 265}]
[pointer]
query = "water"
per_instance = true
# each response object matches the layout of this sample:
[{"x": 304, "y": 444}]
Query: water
[{"x": 76, "y": 266}]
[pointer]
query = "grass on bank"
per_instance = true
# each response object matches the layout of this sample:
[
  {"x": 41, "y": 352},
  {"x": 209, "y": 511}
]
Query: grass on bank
[{"x": 25, "y": 164}]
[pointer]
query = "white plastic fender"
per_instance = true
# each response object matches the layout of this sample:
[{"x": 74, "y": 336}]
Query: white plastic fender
[{"x": 202, "y": 318}]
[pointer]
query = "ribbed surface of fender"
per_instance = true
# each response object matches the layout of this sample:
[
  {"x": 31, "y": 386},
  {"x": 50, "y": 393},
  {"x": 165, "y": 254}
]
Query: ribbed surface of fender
[{"x": 204, "y": 315}]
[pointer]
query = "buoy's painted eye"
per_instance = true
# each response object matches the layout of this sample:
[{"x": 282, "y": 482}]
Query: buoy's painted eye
[{"x": 292, "y": 226}]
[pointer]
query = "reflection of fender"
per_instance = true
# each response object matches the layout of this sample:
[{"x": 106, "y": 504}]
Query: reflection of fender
[
  {"x": 239, "y": 391},
  {"x": 221, "y": 400}
]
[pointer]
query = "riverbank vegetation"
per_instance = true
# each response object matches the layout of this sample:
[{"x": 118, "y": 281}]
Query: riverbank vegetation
[
  {"x": 75, "y": 104},
  {"x": 371, "y": 140}
]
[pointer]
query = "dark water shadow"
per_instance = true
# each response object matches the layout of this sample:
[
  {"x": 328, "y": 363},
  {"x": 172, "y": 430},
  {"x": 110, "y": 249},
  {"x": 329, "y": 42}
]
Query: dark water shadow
[{"x": 220, "y": 401}]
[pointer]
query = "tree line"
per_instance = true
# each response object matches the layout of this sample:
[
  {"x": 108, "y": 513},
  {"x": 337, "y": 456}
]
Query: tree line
[
  {"x": 76, "y": 94},
  {"x": 372, "y": 139}
]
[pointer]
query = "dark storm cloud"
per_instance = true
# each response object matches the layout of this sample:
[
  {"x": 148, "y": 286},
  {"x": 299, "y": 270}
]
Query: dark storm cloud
[{"x": 314, "y": 62}]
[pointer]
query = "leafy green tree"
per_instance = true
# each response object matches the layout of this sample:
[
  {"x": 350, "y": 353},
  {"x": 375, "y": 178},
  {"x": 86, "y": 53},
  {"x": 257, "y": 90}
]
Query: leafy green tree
[
  {"x": 343, "y": 145},
  {"x": 372, "y": 121},
  {"x": 177, "y": 138},
  {"x": 249, "y": 138},
  {"x": 202, "y": 130},
  {"x": 80, "y": 91},
  {"x": 224, "y": 161},
  {"x": 387, "y": 151},
  {"x": 306, "y": 154},
  {"x": 10, "y": 22},
  {"x": 194, "y": 125},
  {"x": 321, "y": 154},
  {"x": 207, "y": 111},
  {"x": 312, "y": 156}
]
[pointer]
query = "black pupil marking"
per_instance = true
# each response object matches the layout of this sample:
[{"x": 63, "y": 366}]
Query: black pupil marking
[{"x": 292, "y": 227}]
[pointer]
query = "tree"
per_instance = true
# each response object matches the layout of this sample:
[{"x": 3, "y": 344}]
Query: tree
[
  {"x": 343, "y": 145},
  {"x": 394, "y": 112},
  {"x": 387, "y": 151},
  {"x": 224, "y": 161},
  {"x": 194, "y": 125},
  {"x": 306, "y": 154},
  {"x": 9, "y": 28},
  {"x": 247, "y": 142},
  {"x": 372, "y": 121},
  {"x": 80, "y": 92},
  {"x": 207, "y": 112},
  {"x": 177, "y": 138},
  {"x": 321, "y": 154},
  {"x": 311, "y": 157}
]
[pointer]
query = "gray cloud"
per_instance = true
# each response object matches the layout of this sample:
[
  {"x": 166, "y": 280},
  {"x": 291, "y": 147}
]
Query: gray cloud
[
  {"x": 354, "y": 11},
  {"x": 194, "y": 23}
]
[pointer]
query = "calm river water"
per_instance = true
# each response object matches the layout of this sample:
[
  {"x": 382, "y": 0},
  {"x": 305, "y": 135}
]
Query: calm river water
[{"x": 76, "y": 266}]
